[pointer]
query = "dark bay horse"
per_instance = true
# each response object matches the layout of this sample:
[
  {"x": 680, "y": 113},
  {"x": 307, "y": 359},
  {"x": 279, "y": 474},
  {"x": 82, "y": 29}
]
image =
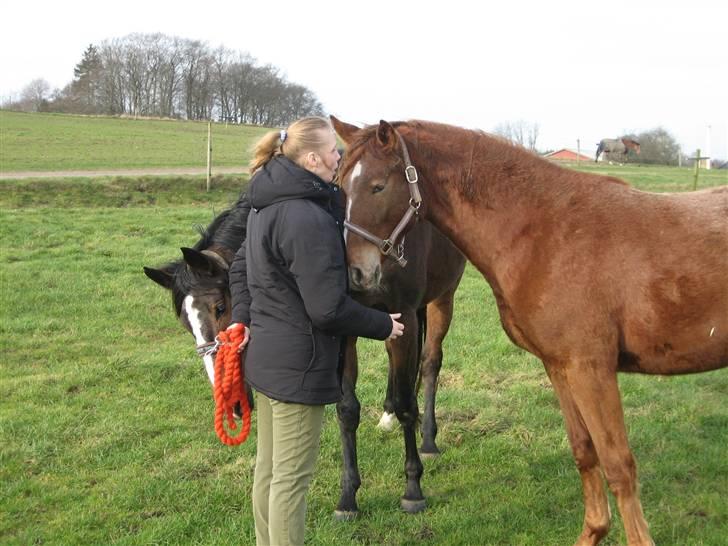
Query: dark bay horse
[
  {"x": 199, "y": 282},
  {"x": 617, "y": 146},
  {"x": 423, "y": 292},
  {"x": 591, "y": 277}
]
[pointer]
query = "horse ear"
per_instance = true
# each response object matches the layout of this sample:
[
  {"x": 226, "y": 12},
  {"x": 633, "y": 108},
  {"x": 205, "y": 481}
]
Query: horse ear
[
  {"x": 385, "y": 134},
  {"x": 198, "y": 261},
  {"x": 163, "y": 278},
  {"x": 344, "y": 130}
]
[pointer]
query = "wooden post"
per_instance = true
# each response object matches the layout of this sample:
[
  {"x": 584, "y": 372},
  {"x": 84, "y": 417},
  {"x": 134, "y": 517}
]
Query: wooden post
[
  {"x": 209, "y": 153},
  {"x": 697, "y": 170}
]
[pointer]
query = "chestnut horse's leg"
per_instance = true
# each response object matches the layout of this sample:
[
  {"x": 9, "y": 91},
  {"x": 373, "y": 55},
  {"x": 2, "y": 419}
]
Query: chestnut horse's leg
[
  {"x": 439, "y": 316},
  {"x": 596, "y": 505},
  {"x": 348, "y": 413},
  {"x": 403, "y": 364},
  {"x": 594, "y": 388}
]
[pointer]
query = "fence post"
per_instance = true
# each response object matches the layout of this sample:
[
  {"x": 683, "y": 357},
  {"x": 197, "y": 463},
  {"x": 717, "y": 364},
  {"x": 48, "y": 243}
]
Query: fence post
[
  {"x": 209, "y": 153},
  {"x": 697, "y": 169}
]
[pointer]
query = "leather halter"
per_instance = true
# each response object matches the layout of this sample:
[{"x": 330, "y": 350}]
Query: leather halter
[{"x": 389, "y": 246}]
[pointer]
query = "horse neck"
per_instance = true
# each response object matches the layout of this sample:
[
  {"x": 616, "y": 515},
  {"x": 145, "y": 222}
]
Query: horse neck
[
  {"x": 482, "y": 193},
  {"x": 226, "y": 234}
]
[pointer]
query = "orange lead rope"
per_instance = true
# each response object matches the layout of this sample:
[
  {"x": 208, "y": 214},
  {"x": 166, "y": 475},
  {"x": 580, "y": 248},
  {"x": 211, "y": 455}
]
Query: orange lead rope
[{"x": 229, "y": 387}]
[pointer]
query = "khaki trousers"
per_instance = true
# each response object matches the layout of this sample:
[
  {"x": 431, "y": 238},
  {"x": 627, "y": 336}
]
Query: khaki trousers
[{"x": 288, "y": 446}]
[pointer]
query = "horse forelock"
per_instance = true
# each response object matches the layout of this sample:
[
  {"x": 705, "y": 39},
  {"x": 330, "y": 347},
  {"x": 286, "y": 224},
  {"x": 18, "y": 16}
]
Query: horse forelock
[{"x": 187, "y": 281}]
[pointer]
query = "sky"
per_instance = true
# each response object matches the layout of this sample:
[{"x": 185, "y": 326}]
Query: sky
[{"x": 580, "y": 70}]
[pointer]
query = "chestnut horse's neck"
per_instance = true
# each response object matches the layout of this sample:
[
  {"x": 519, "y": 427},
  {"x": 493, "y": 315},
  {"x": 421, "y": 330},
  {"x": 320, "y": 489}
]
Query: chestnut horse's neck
[{"x": 485, "y": 194}]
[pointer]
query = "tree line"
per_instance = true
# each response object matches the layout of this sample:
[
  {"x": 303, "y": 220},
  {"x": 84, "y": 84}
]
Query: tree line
[{"x": 161, "y": 76}]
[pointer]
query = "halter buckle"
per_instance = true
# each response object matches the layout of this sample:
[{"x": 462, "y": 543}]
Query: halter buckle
[{"x": 410, "y": 173}]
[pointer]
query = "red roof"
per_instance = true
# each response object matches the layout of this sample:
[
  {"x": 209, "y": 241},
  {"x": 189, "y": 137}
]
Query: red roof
[{"x": 565, "y": 154}]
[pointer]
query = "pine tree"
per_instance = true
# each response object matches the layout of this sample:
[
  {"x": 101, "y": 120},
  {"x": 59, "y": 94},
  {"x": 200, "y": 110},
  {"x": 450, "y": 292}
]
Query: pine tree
[{"x": 87, "y": 80}]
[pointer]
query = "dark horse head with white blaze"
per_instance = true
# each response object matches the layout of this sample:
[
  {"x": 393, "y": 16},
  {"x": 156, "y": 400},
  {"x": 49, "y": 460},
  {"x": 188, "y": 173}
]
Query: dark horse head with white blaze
[{"x": 199, "y": 282}]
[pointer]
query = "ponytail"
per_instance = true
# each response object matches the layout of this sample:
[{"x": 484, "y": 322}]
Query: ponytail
[
  {"x": 264, "y": 150},
  {"x": 299, "y": 138}
]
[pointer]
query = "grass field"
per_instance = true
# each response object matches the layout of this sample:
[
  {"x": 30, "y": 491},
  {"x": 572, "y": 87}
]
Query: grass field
[
  {"x": 106, "y": 432},
  {"x": 55, "y": 142}
]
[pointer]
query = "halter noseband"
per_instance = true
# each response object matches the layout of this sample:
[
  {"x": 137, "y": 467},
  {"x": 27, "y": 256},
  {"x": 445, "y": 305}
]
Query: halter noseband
[
  {"x": 389, "y": 246},
  {"x": 208, "y": 349}
]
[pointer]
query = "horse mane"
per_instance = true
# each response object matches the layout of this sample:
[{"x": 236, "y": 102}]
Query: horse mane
[
  {"x": 460, "y": 153},
  {"x": 226, "y": 230}
]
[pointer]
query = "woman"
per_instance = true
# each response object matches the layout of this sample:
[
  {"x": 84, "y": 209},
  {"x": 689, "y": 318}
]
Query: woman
[{"x": 289, "y": 285}]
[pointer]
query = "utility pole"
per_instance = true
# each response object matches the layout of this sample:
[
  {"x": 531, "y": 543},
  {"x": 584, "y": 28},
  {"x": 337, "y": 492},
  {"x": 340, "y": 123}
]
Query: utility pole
[
  {"x": 578, "y": 151},
  {"x": 707, "y": 147}
]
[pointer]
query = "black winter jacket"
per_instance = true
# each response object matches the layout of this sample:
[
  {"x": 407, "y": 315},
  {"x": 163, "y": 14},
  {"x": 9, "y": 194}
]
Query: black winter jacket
[{"x": 292, "y": 290}]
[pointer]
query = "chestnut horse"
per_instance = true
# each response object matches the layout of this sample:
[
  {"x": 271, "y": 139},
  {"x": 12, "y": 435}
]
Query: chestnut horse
[
  {"x": 590, "y": 275},
  {"x": 423, "y": 292},
  {"x": 617, "y": 146}
]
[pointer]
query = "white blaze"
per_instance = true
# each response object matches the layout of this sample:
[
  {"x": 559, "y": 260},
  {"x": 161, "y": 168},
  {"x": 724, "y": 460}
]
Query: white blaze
[
  {"x": 194, "y": 319},
  {"x": 355, "y": 173}
]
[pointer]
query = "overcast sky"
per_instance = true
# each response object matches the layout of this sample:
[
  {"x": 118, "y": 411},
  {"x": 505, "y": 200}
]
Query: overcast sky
[{"x": 579, "y": 69}]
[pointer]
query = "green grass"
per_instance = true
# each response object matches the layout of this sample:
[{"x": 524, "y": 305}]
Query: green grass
[
  {"x": 659, "y": 177},
  {"x": 58, "y": 142},
  {"x": 106, "y": 432}
]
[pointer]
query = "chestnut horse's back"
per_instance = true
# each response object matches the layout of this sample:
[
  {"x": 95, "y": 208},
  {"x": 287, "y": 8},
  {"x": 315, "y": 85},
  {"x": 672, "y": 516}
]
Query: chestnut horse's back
[{"x": 675, "y": 310}]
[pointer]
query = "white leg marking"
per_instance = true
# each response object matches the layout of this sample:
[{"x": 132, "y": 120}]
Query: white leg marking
[
  {"x": 388, "y": 422},
  {"x": 194, "y": 319}
]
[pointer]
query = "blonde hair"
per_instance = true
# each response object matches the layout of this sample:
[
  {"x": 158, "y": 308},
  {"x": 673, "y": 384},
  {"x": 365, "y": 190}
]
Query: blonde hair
[{"x": 301, "y": 136}]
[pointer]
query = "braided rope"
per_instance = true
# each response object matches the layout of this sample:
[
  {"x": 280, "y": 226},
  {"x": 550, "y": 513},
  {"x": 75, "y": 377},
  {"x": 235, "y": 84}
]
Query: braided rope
[{"x": 230, "y": 388}]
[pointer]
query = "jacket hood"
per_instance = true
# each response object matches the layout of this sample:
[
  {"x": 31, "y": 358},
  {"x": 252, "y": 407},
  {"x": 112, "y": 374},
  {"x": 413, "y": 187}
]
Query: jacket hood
[{"x": 281, "y": 180}]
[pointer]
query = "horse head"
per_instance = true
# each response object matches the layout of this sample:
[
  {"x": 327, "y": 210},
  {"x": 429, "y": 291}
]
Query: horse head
[
  {"x": 379, "y": 209},
  {"x": 199, "y": 286}
]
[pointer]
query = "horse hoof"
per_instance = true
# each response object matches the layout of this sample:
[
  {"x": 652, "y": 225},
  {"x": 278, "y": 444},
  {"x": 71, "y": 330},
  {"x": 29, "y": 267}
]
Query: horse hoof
[
  {"x": 388, "y": 422},
  {"x": 412, "y": 506},
  {"x": 345, "y": 515},
  {"x": 429, "y": 454}
]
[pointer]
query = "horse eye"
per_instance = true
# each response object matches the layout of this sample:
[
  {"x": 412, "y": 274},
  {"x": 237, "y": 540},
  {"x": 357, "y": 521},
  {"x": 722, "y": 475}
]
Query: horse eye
[
  {"x": 377, "y": 188},
  {"x": 219, "y": 310}
]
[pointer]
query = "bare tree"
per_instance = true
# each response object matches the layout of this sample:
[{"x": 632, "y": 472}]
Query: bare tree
[
  {"x": 158, "y": 75},
  {"x": 519, "y": 132},
  {"x": 34, "y": 96}
]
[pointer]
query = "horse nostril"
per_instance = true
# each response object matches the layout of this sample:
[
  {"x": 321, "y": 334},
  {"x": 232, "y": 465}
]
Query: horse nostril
[
  {"x": 377, "y": 274},
  {"x": 355, "y": 276}
]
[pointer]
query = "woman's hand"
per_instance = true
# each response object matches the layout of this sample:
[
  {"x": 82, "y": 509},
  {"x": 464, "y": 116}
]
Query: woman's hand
[
  {"x": 246, "y": 335},
  {"x": 397, "y": 327}
]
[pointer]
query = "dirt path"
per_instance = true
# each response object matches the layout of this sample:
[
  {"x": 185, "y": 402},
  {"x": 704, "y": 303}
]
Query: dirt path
[{"x": 159, "y": 171}]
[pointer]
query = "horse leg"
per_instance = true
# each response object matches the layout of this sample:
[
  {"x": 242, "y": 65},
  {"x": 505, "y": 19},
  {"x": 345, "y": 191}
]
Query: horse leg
[
  {"x": 594, "y": 388},
  {"x": 403, "y": 363},
  {"x": 388, "y": 420},
  {"x": 596, "y": 505},
  {"x": 348, "y": 412},
  {"x": 439, "y": 316}
]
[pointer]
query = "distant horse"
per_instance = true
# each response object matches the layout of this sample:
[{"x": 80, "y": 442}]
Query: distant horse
[
  {"x": 616, "y": 146},
  {"x": 422, "y": 291},
  {"x": 591, "y": 277}
]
